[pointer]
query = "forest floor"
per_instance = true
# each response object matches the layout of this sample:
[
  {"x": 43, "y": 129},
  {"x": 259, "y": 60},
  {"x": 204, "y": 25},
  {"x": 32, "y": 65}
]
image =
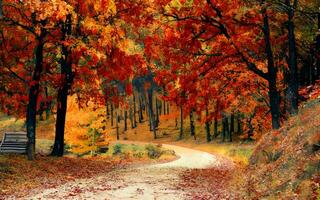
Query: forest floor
[{"x": 171, "y": 180}]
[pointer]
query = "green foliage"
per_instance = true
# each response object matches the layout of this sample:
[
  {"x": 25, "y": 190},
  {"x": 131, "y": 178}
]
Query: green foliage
[
  {"x": 153, "y": 151},
  {"x": 117, "y": 149}
]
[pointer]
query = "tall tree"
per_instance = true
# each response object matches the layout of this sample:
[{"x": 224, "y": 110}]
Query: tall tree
[{"x": 66, "y": 73}]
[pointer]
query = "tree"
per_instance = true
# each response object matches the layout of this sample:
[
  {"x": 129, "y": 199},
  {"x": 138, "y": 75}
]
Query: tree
[
  {"x": 36, "y": 21},
  {"x": 214, "y": 37}
]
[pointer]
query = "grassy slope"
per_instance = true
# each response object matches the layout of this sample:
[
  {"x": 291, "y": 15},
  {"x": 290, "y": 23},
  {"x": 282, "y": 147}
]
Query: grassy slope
[{"x": 285, "y": 163}]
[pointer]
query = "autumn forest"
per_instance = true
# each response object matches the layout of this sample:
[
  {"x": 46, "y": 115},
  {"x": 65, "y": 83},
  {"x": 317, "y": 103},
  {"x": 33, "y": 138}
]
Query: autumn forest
[{"x": 159, "y": 99}]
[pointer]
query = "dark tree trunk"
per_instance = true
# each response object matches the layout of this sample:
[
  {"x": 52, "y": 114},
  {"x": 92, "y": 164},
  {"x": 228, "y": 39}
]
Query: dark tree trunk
[
  {"x": 312, "y": 68},
  {"x": 292, "y": 93},
  {"x": 134, "y": 111},
  {"x": 168, "y": 108},
  {"x": 125, "y": 120},
  {"x": 232, "y": 123},
  {"x": 318, "y": 49},
  {"x": 0, "y": 8},
  {"x": 151, "y": 114},
  {"x": 111, "y": 114},
  {"x": 66, "y": 72},
  {"x": 274, "y": 104},
  {"x": 227, "y": 128},
  {"x": 215, "y": 128},
  {"x": 48, "y": 104},
  {"x": 239, "y": 127},
  {"x": 181, "y": 123},
  {"x": 117, "y": 124},
  {"x": 272, "y": 75},
  {"x": 33, "y": 96},
  {"x": 208, "y": 126},
  {"x": 157, "y": 113},
  {"x": 192, "y": 127},
  {"x": 231, "y": 126},
  {"x": 131, "y": 117},
  {"x": 41, "y": 110},
  {"x": 224, "y": 128},
  {"x": 164, "y": 107},
  {"x": 140, "y": 110},
  {"x": 108, "y": 111},
  {"x": 160, "y": 107},
  {"x": 58, "y": 147}
]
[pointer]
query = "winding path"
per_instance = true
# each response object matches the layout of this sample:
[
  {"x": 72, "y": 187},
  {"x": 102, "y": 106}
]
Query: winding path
[{"x": 155, "y": 181}]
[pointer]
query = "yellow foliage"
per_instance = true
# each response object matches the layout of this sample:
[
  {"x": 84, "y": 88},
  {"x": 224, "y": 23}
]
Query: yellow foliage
[
  {"x": 130, "y": 47},
  {"x": 85, "y": 131}
]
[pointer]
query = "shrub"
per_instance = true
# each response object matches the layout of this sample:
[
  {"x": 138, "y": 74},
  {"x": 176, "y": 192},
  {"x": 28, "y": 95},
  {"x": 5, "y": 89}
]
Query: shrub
[
  {"x": 138, "y": 154},
  {"x": 153, "y": 151},
  {"x": 117, "y": 149}
]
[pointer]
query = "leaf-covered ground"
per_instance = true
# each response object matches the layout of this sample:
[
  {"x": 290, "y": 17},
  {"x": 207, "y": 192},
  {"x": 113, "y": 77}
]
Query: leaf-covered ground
[
  {"x": 149, "y": 181},
  {"x": 18, "y": 176},
  {"x": 286, "y": 163}
]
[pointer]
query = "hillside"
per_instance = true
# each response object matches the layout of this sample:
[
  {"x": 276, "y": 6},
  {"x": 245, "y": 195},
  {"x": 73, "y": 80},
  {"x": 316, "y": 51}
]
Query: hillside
[{"x": 286, "y": 163}]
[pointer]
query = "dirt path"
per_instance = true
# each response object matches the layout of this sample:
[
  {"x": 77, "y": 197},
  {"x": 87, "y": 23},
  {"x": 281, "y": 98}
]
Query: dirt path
[{"x": 157, "y": 181}]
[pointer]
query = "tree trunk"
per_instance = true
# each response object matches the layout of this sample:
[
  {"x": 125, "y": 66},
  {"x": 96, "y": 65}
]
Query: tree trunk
[
  {"x": 192, "y": 126},
  {"x": 33, "y": 96},
  {"x": 274, "y": 104},
  {"x": 164, "y": 107},
  {"x": 239, "y": 127},
  {"x": 66, "y": 72},
  {"x": 48, "y": 104},
  {"x": 117, "y": 124},
  {"x": 232, "y": 123},
  {"x": 157, "y": 113},
  {"x": 131, "y": 117},
  {"x": 140, "y": 110},
  {"x": 0, "y": 8},
  {"x": 272, "y": 74},
  {"x": 292, "y": 93},
  {"x": 151, "y": 114},
  {"x": 108, "y": 111},
  {"x": 168, "y": 108},
  {"x": 134, "y": 111},
  {"x": 216, "y": 127},
  {"x": 181, "y": 123},
  {"x": 125, "y": 120},
  {"x": 58, "y": 147},
  {"x": 227, "y": 127},
  {"x": 224, "y": 128},
  {"x": 160, "y": 107},
  {"x": 231, "y": 127},
  {"x": 208, "y": 126},
  {"x": 318, "y": 50},
  {"x": 111, "y": 114}
]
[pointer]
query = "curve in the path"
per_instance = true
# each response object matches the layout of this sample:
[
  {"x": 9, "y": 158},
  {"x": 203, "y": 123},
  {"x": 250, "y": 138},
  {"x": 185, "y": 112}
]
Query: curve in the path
[{"x": 189, "y": 158}]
